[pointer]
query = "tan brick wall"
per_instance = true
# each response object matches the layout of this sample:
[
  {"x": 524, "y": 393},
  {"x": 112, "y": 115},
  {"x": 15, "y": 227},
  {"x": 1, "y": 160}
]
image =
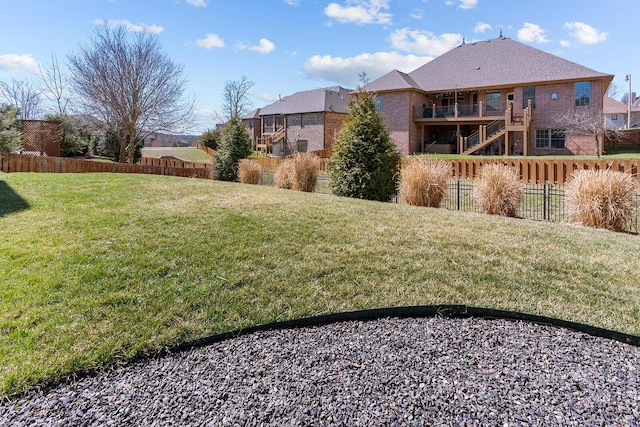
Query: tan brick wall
[
  {"x": 397, "y": 115},
  {"x": 547, "y": 109}
]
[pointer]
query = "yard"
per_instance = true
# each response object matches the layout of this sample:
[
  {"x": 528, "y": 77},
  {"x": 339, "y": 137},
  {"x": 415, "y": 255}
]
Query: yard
[
  {"x": 96, "y": 268},
  {"x": 183, "y": 153}
]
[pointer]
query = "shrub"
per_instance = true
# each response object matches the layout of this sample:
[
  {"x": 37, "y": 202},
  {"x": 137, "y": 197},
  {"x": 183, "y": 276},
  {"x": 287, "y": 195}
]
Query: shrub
[
  {"x": 211, "y": 138},
  {"x": 249, "y": 172},
  {"x": 9, "y": 129},
  {"x": 283, "y": 177},
  {"x": 365, "y": 162},
  {"x": 601, "y": 198},
  {"x": 234, "y": 145},
  {"x": 498, "y": 190},
  {"x": 424, "y": 182}
]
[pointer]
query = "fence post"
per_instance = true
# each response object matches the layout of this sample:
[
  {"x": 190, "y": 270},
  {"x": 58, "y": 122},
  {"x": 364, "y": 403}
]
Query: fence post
[
  {"x": 546, "y": 202},
  {"x": 458, "y": 189}
]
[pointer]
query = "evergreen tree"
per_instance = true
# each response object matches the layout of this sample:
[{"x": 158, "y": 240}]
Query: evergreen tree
[
  {"x": 234, "y": 146},
  {"x": 9, "y": 129},
  {"x": 365, "y": 160}
]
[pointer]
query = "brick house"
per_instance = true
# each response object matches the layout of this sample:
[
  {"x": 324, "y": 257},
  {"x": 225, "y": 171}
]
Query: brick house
[
  {"x": 494, "y": 96},
  {"x": 305, "y": 121}
]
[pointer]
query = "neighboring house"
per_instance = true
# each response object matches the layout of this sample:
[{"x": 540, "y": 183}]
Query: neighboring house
[
  {"x": 158, "y": 139},
  {"x": 305, "y": 121},
  {"x": 616, "y": 113},
  {"x": 251, "y": 122},
  {"x": 495, "y": 96}
]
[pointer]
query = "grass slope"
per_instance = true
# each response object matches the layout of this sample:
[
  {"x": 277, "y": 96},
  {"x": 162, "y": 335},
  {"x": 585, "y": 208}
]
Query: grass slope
[
  {"x": 99, "y": 267},
  {"x": 191, "y": 154}
]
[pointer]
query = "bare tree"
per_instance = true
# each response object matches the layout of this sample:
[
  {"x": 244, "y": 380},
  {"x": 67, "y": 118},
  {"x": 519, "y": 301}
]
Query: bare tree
[
  {"x": 56, "y": 82},
  {"x": 587, "y": 121},
  {"x": 127, "y": 82},
  {"x": 613, "y": 91},
  {"x": 236, "y": 100},
  {"x": 23, "y": 95}
]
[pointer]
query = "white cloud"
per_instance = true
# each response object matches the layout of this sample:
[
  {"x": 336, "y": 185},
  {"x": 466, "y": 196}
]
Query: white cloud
[
  {"x": 346, "y": 70},
  {"x": 264, "y": 46},
  {"x": 468, "y": 4},
  {"x": 481, "y": 27},
  {"x": 423, "y": 42},
  {"x": 585, "y": 33},
  {"x": 417, "y": 14},
  {"x": 292, "y": 2},
  {"x": 360, "y": 12},
  {"x": 464, "y": 4},
  {"x": 19, "y": 63},
  {"x": 210, "y": 41},
  {"x": 136, "y": 28},
  {"x": 197, "y": 3},
  {"x": 565, "y": 43},
  {"x": 532, "y": 33}
]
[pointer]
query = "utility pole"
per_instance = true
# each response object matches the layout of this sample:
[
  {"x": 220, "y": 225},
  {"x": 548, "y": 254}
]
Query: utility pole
[{"x": 628, "y": 79}]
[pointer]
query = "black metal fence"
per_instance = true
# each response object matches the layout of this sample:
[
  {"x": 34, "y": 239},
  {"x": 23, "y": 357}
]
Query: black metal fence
[{"x": 543, "y": 202}]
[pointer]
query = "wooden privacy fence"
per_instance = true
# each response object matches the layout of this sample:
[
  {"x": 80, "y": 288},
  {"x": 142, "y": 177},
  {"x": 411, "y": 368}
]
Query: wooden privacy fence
[
  {"x": 534, "y": 171},
  {"x": 26, "y": 163},
  {"x": 207, "y": 150},
  {"x": 272, "y": 163},
  {"x": 41, "y": 137},
  {"x": 539, "y": 171}
]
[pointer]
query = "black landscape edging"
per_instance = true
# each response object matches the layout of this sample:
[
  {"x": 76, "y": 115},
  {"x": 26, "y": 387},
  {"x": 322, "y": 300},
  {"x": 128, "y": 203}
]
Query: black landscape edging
[{"x": 453, "y": 311}]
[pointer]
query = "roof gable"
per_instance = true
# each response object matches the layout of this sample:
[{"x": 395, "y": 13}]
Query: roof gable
[
  {"x": 393, "y": 80},
  {"x": 494, "y": 62},
  {"x": 329, "y": 99}
]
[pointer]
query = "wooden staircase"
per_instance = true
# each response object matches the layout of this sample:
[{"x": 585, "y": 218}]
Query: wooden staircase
[{"x": 488, "y": 134}]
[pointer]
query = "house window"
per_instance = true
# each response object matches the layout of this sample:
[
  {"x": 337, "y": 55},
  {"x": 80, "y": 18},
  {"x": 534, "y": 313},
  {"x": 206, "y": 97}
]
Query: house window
[
  {"x": 528, "y": 93},
  {"x": 379, "y": 103},
  {"x": 551, "y": 138},
  {"x": 614, "y": 117},
  {"x": 583, "y": 94},
  {"x": 494, "y": 101},
  {"x": 301, "y": 120}
]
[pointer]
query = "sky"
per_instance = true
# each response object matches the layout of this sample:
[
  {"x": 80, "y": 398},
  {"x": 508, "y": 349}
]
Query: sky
[{"x": 286, "y": 46}]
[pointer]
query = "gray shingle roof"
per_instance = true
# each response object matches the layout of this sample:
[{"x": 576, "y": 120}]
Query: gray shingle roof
[
  {"x": 394, "y": 79},
  {"x": 335, "y": 99},
  {"x": 495, "y": 62}
]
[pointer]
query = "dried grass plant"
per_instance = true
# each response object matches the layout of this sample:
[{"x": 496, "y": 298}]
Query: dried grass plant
[
  {"x": 601, "y": 199},
  {"x": 249, "y": 172},
  {"x": 424, "y": 182},
  {"x": 283, "y": 177},
  {"x": 306, "y": 167},
  {"x": 498, "y": 190},
  {"x": 299, "y": 172}
]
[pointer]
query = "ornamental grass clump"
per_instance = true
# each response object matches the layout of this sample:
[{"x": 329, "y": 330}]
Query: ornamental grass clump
[
  {"x": 602, "y": 199},
  {"x": 283, "y": 177},
  {"x": 498, "y": 190},
  {"x": 305, "y": 169},
  {"x": 424, "y": 182},
  {"x": 299, "y": 172},
  {"x": 249, "y": 172}
]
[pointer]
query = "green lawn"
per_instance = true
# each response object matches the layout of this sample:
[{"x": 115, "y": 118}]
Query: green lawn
[
  {"x": 187, "y": 153},
  {"x": 95, "y": 268}
]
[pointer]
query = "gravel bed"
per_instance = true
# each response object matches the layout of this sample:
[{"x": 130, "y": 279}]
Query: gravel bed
[{"x": 388, "y": 372}]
